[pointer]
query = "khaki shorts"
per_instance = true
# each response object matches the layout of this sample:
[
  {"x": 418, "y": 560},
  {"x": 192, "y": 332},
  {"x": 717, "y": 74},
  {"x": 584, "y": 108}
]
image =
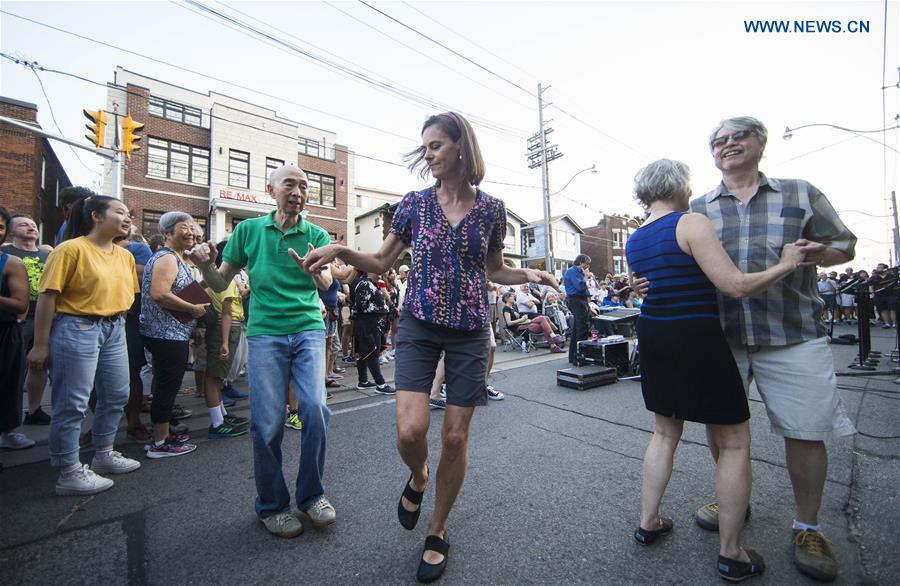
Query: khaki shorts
[
  {"x": 215, "y": 366},
  {"x": 799, "y": 388}
]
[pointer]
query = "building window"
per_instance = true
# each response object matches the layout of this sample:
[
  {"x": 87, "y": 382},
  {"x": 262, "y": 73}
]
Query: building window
[
  {"x": 150, "y": 223},
  {"x": 357, "y": 229},
  {"x": 620, "y": 267},
  {"x": 43, "y": 172},
  {"x": 181, "y": 162},
  {"x": 271, "y": 165},
  {"x": 321, "y": 189},
  {"x": 333, "y": 236},
  {"x": 617, "y": 238},
  {"x": 315, "y": 148},
  {"x": 509, "y": 243},
  {"x": 174, "y": 111},
  {"x": 238, "y": 169},
  {"x": 377, "y": 221}
]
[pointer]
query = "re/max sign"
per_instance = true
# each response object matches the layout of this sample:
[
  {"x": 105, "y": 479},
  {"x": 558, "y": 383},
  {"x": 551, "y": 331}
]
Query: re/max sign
[{"x": 245, "y": 196}]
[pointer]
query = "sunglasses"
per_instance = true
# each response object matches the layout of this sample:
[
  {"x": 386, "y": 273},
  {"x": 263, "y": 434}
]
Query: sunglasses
[{"x": 736, "y": 137}]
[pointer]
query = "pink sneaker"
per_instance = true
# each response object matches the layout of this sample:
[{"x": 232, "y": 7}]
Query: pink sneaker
[{"x": 556, "y": 349}]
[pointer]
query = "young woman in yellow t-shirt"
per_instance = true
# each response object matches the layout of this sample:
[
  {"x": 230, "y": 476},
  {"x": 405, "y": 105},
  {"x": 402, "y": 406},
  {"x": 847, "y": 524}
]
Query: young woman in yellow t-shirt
[{"x": 87, "y": 286}]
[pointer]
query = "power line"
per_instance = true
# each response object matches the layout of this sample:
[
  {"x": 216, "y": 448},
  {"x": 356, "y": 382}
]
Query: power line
[
  {"x": 429, "y": 57},
  {"x": 53, "y": 114},
  {"x": 246, "y": 125},
  {"x": 390, "y": 87},
  {"x": 220, "y": 80},
  {"x": 457, "y": 53}
]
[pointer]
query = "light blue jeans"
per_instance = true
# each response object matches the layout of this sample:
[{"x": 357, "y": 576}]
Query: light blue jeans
[
  {"x": 273, "y": 362},
  {"x": 86, "y": 354}
]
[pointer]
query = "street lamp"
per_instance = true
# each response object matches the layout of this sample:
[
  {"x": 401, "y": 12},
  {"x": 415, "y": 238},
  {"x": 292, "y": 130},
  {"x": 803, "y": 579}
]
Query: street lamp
[
  {"x": 789, "y": 133},
  {"x": 592, "y": 169},
  {"x": 548, "y": 240}
]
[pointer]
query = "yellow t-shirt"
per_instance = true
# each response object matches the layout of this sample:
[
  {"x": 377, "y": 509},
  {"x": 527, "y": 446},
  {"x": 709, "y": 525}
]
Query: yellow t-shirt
[
  {"x": 237, "y": 308},
  {"x": 89, "y": 280}
]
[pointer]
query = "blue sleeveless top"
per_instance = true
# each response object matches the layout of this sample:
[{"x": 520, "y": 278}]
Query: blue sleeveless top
[{"x": 678, "y": 288}]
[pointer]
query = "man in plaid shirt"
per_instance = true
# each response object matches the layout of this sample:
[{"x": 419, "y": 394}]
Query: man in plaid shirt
[{"x": 778, "y": 337}]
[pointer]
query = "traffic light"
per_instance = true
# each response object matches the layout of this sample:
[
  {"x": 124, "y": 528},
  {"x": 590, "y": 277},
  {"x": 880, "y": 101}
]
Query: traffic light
[
  {"x": 130, "y": 137},
  {"x": 98, "y": 128}
]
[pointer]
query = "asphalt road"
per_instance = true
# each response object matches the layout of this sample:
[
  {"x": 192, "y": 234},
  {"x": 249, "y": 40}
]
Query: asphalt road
[{"x": 552, "y": 496}]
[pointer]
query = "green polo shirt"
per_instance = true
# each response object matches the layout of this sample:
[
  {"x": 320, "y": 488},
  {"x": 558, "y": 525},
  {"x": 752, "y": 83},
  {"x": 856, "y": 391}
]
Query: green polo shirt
[{"x": 284, "y": 298}]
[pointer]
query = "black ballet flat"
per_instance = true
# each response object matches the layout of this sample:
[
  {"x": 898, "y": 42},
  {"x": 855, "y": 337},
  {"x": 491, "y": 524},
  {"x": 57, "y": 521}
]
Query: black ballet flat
[
  {"x": 408, "y": 519},
  {"x": 430, "y": 572},
  {"x": 645, "y": 537}
]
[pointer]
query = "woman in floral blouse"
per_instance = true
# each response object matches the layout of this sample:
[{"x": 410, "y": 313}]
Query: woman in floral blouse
[{"x": 456, "y": 232}]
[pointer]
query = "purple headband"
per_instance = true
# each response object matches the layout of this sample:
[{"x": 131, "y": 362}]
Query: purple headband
[{"x": 453, "y": 117}]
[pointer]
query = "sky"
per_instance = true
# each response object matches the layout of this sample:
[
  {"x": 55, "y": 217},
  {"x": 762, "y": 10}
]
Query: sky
[{"x": 629, "y": 83}]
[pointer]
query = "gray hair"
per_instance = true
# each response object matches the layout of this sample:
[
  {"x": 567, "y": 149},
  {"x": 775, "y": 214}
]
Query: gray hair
[
  {"x": 168, "y": 221},
  {"x": 661, "y": 180},
  {"x": 742, "y": 123}
]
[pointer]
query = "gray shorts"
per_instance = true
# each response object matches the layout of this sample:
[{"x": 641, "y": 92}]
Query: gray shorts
[
  {"x": 419, "y": 346},
  {"x": 799, "y": 388}
]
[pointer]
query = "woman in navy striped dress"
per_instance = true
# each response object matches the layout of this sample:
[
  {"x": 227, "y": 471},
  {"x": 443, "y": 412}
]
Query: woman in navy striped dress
[{"x": 687, "y": 370}]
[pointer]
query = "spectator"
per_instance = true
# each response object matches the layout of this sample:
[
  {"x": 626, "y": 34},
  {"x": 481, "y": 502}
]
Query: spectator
[
  {"x": 14, "y": 294},
  {"x": 67, "y": 198},
  {"x": 536, "y": 325},
  {"x": 25, "y": 235},
  {"x": 165, "y": 335},
  {"x": 87, "y": 286},
  {"x": 526, "y": 303}
]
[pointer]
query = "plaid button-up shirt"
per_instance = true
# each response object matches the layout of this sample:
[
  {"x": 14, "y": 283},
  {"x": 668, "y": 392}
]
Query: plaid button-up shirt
[{"x": 782, "y": 211}]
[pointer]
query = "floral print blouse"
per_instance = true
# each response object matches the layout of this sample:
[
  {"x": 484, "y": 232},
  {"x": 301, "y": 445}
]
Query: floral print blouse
[{"x": 447, "y": 281}]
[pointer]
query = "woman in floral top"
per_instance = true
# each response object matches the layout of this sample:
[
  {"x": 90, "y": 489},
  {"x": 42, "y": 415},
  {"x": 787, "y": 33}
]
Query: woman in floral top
[{"x": 456, "y": 232}]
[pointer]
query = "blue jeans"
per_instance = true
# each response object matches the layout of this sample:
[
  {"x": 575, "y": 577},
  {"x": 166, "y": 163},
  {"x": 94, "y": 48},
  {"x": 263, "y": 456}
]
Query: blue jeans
[
  {"x": 86, "y": 354},
  {"x": 273, "y": 362}
]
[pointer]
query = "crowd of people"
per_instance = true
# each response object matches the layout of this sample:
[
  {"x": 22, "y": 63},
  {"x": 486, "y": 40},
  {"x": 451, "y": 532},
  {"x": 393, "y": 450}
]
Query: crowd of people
[{"x": 104, "y": 309}]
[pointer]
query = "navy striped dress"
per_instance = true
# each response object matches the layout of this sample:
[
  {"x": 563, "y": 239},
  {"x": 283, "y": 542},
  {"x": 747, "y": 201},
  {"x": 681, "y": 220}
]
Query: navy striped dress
[{"x": 687, "y": 369}]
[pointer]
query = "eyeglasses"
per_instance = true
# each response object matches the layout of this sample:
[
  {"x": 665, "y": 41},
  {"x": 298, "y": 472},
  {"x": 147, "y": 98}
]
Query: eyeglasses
[{"x": 736, "y": 137}]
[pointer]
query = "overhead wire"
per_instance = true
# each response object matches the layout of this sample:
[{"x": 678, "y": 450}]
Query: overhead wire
[
  {"x": 388, "y": 86},
  {"x": 221, "y": 80}
]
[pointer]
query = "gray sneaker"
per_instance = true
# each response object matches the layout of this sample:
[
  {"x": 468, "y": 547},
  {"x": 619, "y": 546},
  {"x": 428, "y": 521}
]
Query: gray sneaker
[
  {"x": 321, "y": 513},
  {"x": 115, "y": 463},
  {"x": 283, "y": 525},
  {"x": 82, "y": 482},
  {"x": 707, "y": 516},
  {"x": 814, "y": 556}
]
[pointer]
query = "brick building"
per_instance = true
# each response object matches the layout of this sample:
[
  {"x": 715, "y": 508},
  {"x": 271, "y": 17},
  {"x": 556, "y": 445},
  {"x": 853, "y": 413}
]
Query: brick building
[
  {"x": 210, "y": 155},
  {"x": 605, "y": 243},
  {"x": 31, "y": 175}
]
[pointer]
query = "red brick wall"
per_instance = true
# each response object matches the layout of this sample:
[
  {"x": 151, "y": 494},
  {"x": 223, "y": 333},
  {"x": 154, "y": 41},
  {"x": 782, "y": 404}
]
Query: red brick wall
[
  {"x": 21, "y": 153},
  {"x": 136, "y": 168},
  {"x": 338, "y": 170}
]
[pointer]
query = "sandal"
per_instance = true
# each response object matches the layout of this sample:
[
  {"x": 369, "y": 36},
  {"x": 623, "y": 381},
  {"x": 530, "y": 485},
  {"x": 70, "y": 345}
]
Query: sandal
[
  {"x": 409, "y": 518},
  {"x": 737, "y": 571},
  {"x": 646, "y": 537},
  {"x": 431, "y": 572}
]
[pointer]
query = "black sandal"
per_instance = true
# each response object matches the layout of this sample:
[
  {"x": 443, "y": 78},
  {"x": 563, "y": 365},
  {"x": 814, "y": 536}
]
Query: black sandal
[
  {"x": 737, "y": 571},
  {"x": 645, "y": 537},
  {"x": 409, "y": 518},
  {"x": 431, "y": 572}
]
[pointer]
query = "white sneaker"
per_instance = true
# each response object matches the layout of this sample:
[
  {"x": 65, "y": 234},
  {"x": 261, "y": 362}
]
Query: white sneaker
[
  {"x": 321, "y": 513},
  {"x": 15, "y": 441},
  {"x": 382, "y": 359},
  {"x": 83, "y": 481},
  {"x": 115, "y": 463}
]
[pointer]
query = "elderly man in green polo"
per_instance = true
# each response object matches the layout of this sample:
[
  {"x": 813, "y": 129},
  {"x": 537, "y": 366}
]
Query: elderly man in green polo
[{"x": 286, "y": 343}]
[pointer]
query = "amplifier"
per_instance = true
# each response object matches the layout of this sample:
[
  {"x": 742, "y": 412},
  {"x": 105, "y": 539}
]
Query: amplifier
[
  {"x": 585, "y": 377},
  {"x": 612, "y": 354}
]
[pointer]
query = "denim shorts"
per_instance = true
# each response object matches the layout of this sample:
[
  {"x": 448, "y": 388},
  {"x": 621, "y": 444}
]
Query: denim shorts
[{"x": 419, "y": 347}]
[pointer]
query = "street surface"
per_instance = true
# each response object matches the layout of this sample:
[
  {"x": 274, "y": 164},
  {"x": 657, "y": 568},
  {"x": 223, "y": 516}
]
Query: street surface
[{"x": 552, "y": 496}]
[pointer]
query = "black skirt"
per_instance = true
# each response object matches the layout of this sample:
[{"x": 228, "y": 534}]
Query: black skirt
[
  {"x": 688, "y": 371},
  {"x": 12, "y": 375}
]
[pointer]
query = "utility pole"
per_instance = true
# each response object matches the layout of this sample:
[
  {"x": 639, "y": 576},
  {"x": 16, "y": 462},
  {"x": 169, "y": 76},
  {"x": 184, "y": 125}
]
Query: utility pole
[
  {"x": 539, "y": 154},
  {"x": 896, "y": 228}
]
